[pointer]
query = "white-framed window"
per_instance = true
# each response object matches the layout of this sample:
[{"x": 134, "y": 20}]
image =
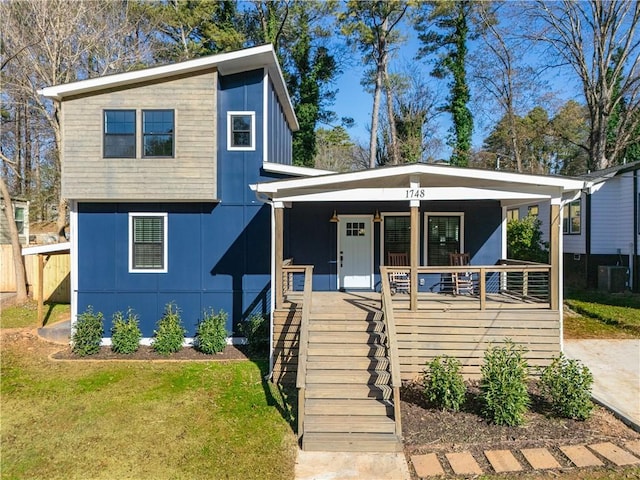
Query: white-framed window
[
  {"x": 571, "y": 218},
  {"x": 444, "y": 235},
  {"x": 241, "y": 130},
  {"x": 513, "y": 214},
  {"x": 18, "y": 215},
  {"x": 148, "y": 242},
  {"x": 396, "y": 236}
]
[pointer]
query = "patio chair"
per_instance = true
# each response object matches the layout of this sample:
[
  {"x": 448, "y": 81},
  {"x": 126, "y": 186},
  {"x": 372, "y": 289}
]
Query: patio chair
[
  {"x": 462, "y": 282},
  {"x": 399, "y": 282}
]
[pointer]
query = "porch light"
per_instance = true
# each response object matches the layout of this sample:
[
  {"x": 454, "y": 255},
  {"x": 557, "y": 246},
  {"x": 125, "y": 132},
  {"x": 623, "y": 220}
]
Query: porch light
[
  {"x": 377, "y": 218},
  {"x": 334, "y": 218}
]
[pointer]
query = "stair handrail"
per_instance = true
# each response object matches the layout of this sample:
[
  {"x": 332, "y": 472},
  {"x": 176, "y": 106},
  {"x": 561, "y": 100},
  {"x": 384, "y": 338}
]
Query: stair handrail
[
  {"x": 303, "y": 344},
  {"x": 392, "y": 345}
]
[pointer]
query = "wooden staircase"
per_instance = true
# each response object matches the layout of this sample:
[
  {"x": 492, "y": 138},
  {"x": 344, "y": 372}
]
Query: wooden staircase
[{"x": 348, "y": 401}]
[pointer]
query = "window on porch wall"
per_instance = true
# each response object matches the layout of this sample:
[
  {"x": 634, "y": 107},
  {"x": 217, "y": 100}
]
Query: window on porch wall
[
  {"x": 443, "y": 238},
  {"x": 397, "y": 236}
]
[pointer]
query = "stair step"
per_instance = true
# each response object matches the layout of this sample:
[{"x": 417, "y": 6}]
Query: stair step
[
  {"x": 365, "y": 407},
  {"x": 344, "y": 391},
  {"x": 330, "y": 349},
  {"x": 346, "y": 326},
  {"x": 363, "y": 377},
  {"x": 353, "y": 442},
  {"x": 343, "y": 363},
  {"x": 344, "y": 338},
  {"x": 349, "y": 424}
]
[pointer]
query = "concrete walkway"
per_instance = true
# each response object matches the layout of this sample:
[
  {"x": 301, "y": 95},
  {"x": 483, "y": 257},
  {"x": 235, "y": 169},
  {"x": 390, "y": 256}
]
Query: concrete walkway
[
  {"x": 615, "y": 365},
  {"x": 351, "y": 466}
]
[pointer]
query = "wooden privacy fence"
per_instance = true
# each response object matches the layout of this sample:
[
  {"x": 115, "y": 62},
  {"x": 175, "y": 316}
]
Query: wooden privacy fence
[{"x": 56, "y": 278}]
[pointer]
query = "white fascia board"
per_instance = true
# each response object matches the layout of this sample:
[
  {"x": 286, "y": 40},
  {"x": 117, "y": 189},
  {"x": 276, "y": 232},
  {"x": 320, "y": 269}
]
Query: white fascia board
[
  {"x": 53, "y": 247},
  {"x": 401, "y": 194},
  {"x": 294, "y": 170},
  {"x": 447, "y": 171}
]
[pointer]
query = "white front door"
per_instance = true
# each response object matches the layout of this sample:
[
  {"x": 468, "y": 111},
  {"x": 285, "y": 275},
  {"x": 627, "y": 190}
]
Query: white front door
[{"x": 355, "y": 252}]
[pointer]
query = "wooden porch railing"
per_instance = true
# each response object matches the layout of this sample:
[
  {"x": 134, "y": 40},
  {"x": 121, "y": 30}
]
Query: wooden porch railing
[
  {"x": 303, "y": 339},
  {"x": 508, "y": 285},
  {"x": 392, "y": 347}
]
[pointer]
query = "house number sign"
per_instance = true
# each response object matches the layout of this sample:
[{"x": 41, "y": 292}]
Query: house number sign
[{"x": 415, "y": 193}]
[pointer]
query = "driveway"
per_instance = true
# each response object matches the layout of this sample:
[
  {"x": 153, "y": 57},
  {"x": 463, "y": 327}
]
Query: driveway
[{"x": 615, "y": 365}]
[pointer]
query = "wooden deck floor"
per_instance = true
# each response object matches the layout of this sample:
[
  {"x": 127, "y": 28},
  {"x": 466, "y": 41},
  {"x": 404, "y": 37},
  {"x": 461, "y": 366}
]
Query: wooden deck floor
[{"x": 342, "y": 302}]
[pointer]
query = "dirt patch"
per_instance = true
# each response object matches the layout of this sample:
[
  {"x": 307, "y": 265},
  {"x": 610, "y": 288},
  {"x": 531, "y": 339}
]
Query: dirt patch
[
  {"x": 429, "y": 430},
  {"x": 147, "y": 353}
]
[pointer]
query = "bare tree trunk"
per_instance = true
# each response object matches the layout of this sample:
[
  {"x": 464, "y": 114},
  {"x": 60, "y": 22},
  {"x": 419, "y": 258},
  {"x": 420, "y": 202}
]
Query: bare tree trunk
[
  {"x": 18, "y": 264},
  {"x": 373, "y": 142},
  {"x": 395, "y": 152}
]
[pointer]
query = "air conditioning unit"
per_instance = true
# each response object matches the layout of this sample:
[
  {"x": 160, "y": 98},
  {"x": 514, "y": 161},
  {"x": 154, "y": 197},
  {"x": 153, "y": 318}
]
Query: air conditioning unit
[{"x": 612, "y": 278}]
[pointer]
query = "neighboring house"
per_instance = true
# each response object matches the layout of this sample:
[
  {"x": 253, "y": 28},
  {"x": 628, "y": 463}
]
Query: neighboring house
[
  {"x": 181, "y": 189},
  {"x": 21, "y": 216},
  {"x": 600, "y": 228}
]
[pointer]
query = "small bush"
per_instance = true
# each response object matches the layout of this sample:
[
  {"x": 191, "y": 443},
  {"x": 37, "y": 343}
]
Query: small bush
[
  {"x": 504, "y": 388},
  {"x": 125, "y": 333},
  {"x": 211, "y": 334},
  {"x": 444, "y": 386},
  {"x": 256, "y": 330},
  {"x": 88, "y": 333},
  {"x": 169, "y": 336},
  {"x": 567, "y": 383}
]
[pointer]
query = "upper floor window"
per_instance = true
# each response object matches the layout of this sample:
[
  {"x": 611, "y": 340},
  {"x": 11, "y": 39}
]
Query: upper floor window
[
  {"x": 571, "y": 218},
  {"x": 241, "y": 131},
  {"x": 148, "y": 242},
  {"x": 533, "y": 210},
  {"x": 157, "y": 132},
  {"x": 119, "y": 134},
  {"x": 513, "y": 214}
]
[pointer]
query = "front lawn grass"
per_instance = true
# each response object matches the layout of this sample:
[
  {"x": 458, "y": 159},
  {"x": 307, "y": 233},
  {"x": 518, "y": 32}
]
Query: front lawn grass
[
  {"x": 106, "y": 420},
  {"x": 621, "y": 312},
  {"x": 26, "y": 315}
]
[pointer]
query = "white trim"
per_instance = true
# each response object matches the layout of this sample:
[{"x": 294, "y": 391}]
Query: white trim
[
  {"x": 292, "y": 170},
  {"x": 53, "y": 247},
  {"x": 265, "y": 116},
  {"x": 434, "y": 171},
  {"x": 425, "y": 229},
  {"x": 503, "y": 231},
  {"x": 341, "y": 220},
  {"x": 73, "y": 228},
  {"x": 165, "y": 243},
  {"x": 230, "y": 146}
]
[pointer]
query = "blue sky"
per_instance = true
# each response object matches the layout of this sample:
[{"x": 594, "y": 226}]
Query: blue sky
[{"x": 352, "y": 101}]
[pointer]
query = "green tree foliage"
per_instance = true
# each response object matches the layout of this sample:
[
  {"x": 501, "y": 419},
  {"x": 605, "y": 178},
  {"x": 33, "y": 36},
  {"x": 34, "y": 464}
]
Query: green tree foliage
[
  {"x": 193, "y": 28},
  {"x": 298, "y": 30},
  {"x": 443, "y": 28},
  {"x": 524, "y": 240}
]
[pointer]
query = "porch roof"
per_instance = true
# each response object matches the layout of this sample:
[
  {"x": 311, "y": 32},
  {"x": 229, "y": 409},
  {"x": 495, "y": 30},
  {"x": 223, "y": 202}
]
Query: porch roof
[{"x": 420, "y": 182}]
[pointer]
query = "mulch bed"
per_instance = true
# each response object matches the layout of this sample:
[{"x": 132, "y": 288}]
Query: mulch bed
[
  {"x": 231, "y": 352},
  {"x": 429, "y": 430}
]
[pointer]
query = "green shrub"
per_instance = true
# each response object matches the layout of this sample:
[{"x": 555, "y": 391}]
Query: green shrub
[
  {"x": 125, "y": 333},
  {"x": 88, "y": 333},
  {"x": 567, "y": 383},
  {"x": 444, "y": 385},
  {"x": 211, "y": 334},
  {"x": 256, "y": 330},
  {"x": 169, "y": 335},
  {"x": 504, "y": 388}
]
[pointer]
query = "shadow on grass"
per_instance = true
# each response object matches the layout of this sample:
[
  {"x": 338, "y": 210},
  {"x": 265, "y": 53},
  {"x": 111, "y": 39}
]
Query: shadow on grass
[{"x": 285, "y": 399}]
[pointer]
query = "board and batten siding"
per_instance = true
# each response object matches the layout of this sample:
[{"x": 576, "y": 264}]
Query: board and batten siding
[
  {"x": 189, "y": 176},
  {"x": 466, "y": 335},
  {"x": 279, "y": 136},
  {"x": 612, "y": 216}
]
